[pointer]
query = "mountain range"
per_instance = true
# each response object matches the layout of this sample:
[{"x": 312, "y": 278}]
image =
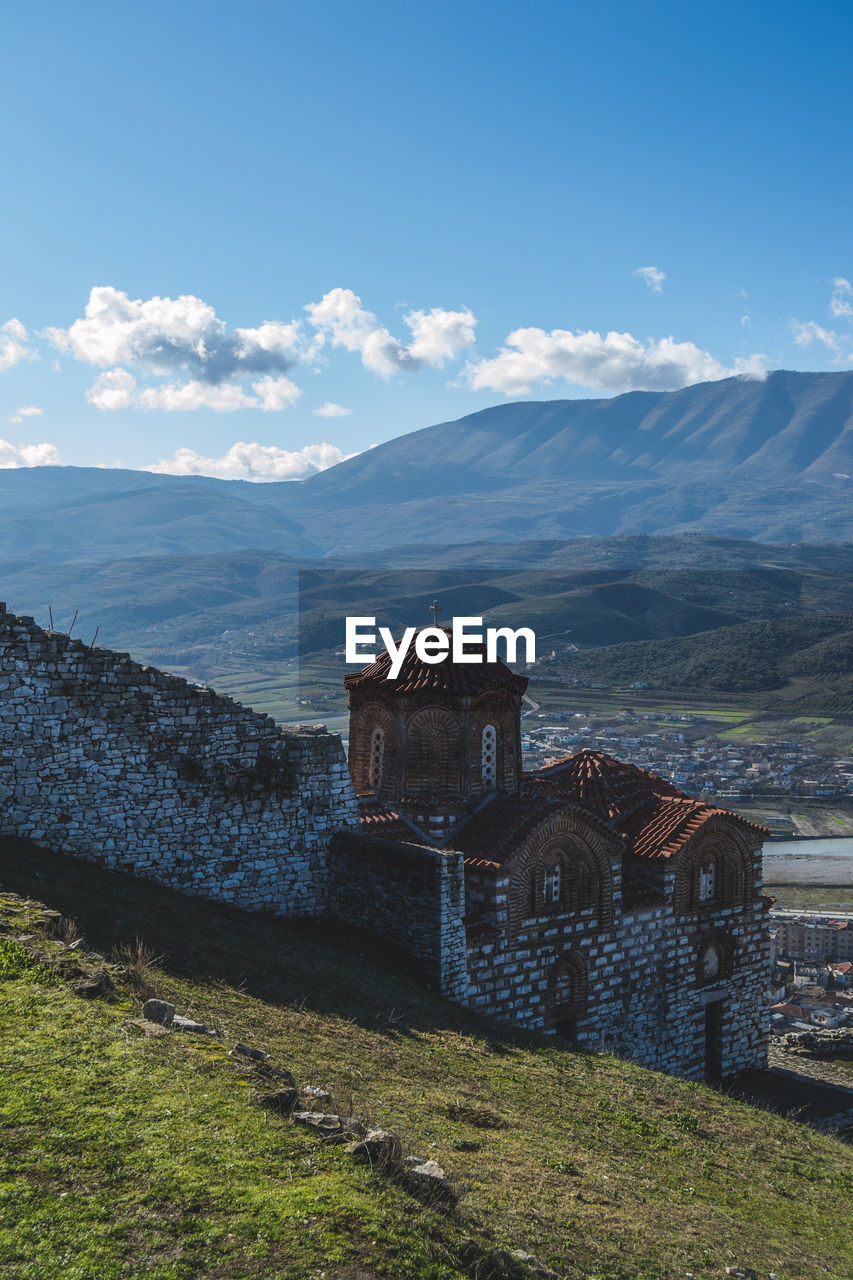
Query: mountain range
[{"x": 767, "y": 459}]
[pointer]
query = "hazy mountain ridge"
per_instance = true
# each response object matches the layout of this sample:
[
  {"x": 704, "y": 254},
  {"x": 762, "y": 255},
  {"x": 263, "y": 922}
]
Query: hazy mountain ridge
[{"x": 770, "y": 460}]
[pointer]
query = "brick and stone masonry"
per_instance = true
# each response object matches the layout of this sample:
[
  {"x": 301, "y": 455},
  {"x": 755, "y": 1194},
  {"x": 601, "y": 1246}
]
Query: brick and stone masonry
[
  {"x": 601, "y": 902},
  {"x": 589, "y": 899}
]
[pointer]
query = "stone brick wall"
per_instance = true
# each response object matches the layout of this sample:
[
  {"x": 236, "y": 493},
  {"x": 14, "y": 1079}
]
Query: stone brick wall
[
  {"x": 409, "y": 894},
  {"x": 645, "y": 990},
  {"x": 110, "y": 760}
]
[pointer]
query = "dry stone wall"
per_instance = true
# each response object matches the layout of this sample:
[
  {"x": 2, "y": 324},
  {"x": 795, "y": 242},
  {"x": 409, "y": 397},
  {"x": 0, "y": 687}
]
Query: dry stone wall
[{"x": 107, "y": 759}]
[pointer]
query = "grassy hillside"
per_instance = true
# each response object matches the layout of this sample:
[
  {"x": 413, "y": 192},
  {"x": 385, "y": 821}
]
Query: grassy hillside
[
  {"x": 750, "y": 657},
  {"x": 126, "y": 1155},
  {"x": 222, "y": 613}
]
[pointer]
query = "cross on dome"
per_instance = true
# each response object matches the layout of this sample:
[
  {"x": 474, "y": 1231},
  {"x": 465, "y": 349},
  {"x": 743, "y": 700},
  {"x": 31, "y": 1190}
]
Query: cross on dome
[{"x": 435, "y": 610}]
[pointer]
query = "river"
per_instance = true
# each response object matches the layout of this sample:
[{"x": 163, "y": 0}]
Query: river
[{"x": 825, "y": 860}]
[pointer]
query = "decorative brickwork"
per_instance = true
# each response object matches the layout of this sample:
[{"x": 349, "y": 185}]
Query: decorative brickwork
[{"x": 602, "y": 903}]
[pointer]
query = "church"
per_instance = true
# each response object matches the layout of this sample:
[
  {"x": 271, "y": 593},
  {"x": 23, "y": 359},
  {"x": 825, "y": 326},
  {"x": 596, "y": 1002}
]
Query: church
[
  {"x": 587, "y": 899},
  {"x": 600, "y": 902}
]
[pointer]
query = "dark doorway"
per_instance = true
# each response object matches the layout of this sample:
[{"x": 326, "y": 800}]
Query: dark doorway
[
  {"x": 714, "y": 1040},
  {"x": 567, "y": 1027}
]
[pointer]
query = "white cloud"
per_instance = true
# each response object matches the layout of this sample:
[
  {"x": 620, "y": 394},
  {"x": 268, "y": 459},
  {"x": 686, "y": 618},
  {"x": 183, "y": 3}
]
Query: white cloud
[
  {"x": 253, "y": 462},
  {"x": 615, "y": 362},
  {"x": 170, "y": 334},
  {"x": 438, "y": 335},
  {"x": 839, "y": 303},
  {"x": 117, "y": 389},
  {"x": 13, "y": 344},
  {"x": 112, "y": 390},
  {"x": 807, "y": 332},
  {"x": 652, "y": 277},
  {"x": 27, "y": 411},
  {"x": 28, "y": 455},
  {"x": 329, "y": 410}
]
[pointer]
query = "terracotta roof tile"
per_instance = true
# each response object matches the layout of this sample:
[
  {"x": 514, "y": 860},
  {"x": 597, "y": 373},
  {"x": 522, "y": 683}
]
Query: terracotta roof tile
[
  {"x": 653, "y": 818},
  {"x": 378, "y": 819}
]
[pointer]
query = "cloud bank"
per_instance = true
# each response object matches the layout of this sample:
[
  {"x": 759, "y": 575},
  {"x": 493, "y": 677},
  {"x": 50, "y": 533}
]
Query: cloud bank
[
  {"x": 177, "y": 355},
  {"x": 252, "y": 462},
  {"x": 612, "y": 361}
]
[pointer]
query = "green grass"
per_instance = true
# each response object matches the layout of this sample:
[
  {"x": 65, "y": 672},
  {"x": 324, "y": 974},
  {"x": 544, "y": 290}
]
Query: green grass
[
  {"x": 797, "y": 897},
  {"x": 123, "y": 1156}
]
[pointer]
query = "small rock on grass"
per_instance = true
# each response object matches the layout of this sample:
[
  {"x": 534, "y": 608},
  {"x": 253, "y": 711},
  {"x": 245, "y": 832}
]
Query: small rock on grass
[
  {"x": 159, "y": 1011},
  {"x": 257, "y": 1054},
  {"x": 316, "y": 1093},
  {"x": 380, "y": 1148},
  {"x": 93, "y": 986},
  {"x": 429, "y": 1180},
  {"x": 282, "y": 1101},
  {"x": 318, "y": 1119},
  {"x": 186, "y": 1024}
]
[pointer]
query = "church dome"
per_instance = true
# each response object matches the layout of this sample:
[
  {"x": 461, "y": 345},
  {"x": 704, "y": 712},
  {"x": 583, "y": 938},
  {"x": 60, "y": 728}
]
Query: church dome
[
  {"x": 438, "y": 738},
  {"x": 457, "y": 679}
]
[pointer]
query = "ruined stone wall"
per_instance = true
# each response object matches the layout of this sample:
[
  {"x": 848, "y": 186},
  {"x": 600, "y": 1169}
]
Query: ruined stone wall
[
  {"x": 110, "y": 760},
  {"x": 409, "y": 894}
]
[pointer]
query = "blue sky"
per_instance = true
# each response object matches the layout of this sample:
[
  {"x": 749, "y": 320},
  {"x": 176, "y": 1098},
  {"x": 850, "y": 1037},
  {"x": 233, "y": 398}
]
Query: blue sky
[{"x": 407, "y": 211}]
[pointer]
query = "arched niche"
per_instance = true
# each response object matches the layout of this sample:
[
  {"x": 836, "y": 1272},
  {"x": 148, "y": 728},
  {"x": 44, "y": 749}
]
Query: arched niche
[
  {"x": 373, "y": 725},
  {"x": 563, "y": 869},
  {"x": 714, "y": 871},
  {"x": 432, "y": 753},
  {"x": 567, "y": 994}
]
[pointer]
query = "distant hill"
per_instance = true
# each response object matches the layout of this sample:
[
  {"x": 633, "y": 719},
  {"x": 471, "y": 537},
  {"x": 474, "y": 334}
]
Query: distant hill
[
  {"x": 770, "y": 460},
  {"x": 237, "y": 608},
  {"x": 815, "y": 652}
]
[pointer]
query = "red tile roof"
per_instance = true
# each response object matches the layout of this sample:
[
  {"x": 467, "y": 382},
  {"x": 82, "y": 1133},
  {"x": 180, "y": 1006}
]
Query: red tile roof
[
  {"x": 611, "y": 788},
  {"x": 454, "y": 678},
  {"x": 655, "y": 818},
  {"x": 652, "y": 817},
  {"x": 378, "y": 819}
]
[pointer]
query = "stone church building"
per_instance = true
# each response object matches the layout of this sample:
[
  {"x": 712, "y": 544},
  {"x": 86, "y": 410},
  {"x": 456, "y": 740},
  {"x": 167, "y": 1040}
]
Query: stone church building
[
  {"x": 589, "y": 898},
  {"x": 600, "y": 902}
]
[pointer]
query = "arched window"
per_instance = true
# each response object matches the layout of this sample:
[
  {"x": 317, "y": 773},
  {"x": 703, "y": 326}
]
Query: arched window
[
  {"x": 377, "y": 751},
  {"x": 707, "y": 882},
  {"x": 711, "y": 961},
  {"x": 490, "y": 757},
  {"x": 553, "y": 884}
]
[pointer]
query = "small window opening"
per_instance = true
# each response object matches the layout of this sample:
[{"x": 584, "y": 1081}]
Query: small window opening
[
  {"x": 377, "y": 750},
  {"x": 490, "y": 757},
  {"x": 552, "y": 884},
  {"x": 707, "y": 882}
]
